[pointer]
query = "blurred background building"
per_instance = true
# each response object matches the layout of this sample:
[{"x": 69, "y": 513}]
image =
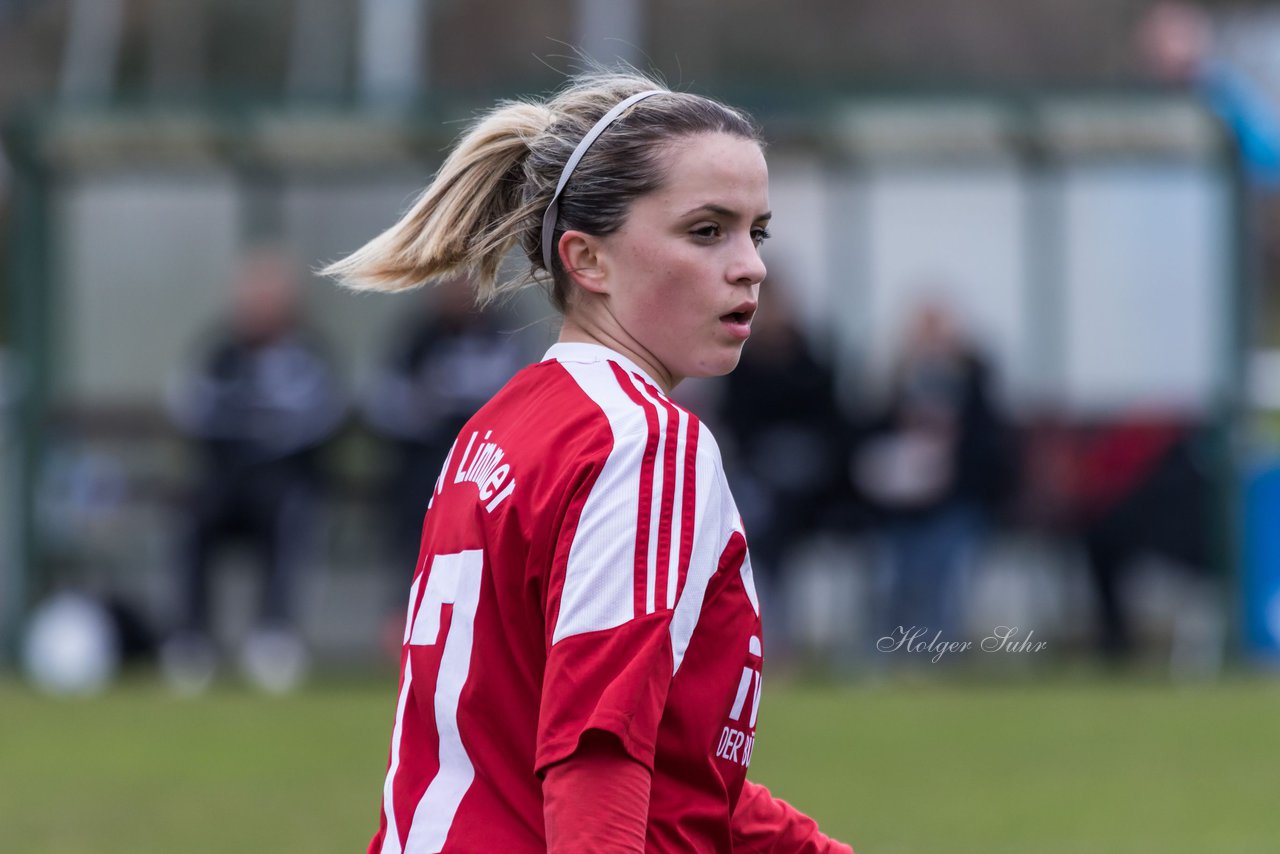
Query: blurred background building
[{"x": 1088, "y": 188}]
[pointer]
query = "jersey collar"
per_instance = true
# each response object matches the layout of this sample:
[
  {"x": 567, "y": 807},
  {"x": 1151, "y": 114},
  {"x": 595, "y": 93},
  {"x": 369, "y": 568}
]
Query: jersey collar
[{"x": 585, "y": 353}]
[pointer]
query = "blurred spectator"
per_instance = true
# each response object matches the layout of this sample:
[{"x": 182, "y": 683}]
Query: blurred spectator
[
  {"x": 444, "y": 363},
  {"x": 259, "y": 401},
  {"x": 785, "y": 436},
  {"x": 934, "y": 463},
  {"x": 1175, "y": 44}
]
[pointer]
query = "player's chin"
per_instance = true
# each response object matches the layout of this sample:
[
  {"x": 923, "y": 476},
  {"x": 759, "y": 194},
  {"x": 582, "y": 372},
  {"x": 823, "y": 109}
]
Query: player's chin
[{"x": 721, "y": 362}]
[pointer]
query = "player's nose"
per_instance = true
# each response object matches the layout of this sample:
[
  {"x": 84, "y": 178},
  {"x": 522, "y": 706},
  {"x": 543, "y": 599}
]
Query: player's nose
[{"x": 746, "y": 266}]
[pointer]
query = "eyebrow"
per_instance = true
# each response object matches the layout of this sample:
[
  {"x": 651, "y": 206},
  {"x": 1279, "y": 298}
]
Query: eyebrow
[{"x": 726, "y": 212}]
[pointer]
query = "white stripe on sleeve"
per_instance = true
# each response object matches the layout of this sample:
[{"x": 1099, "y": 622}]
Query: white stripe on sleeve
[
  {"x": 655, "y": 513},
  {"x": 599, "y": 584},
  {"x": 711, "y": 531}
]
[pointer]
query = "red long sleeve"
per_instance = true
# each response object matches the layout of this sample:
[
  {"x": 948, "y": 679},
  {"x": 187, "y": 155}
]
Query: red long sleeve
[
  {"x": 763, "y": 824},
  {"x": 597, "y": 800}
]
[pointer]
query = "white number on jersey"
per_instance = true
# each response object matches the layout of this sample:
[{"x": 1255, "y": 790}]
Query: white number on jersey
[{"x": 452, "y": 579}]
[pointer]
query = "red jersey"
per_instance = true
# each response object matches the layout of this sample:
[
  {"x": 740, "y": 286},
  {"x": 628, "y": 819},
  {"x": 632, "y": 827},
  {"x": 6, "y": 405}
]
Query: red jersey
[{"x": 583, "y": 566}]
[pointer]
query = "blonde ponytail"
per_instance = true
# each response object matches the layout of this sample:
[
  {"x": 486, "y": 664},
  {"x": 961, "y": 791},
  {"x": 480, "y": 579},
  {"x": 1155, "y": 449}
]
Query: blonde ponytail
[
  {"x": 466, "y": 220},
  {"x": 500, "y": 180}
]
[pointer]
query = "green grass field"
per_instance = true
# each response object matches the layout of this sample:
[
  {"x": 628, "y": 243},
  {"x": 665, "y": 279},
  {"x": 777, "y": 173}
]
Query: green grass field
[{"x": 1047, "y": 767}]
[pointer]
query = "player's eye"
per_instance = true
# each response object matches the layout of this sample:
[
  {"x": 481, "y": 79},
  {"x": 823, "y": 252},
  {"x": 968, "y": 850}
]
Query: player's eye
[
  {"x": 709, "y": 231},
  {"x": 760, "y": 235}
]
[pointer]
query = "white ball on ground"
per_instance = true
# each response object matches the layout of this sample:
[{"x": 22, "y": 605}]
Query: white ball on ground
[{"x": 71, "y": 646}]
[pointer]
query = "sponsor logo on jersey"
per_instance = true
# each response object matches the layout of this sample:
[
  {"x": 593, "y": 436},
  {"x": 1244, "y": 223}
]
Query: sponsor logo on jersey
[
  {"x": 737, "y": 743},
  {"x": 736, "y": 746}
]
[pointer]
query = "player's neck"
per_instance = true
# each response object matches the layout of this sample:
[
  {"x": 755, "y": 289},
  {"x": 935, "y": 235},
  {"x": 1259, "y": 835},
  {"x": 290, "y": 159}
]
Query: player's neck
[{"x": 577, "y": 330}]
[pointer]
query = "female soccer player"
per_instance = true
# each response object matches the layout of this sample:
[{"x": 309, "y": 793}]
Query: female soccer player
[{"x": 582, "y": 652}]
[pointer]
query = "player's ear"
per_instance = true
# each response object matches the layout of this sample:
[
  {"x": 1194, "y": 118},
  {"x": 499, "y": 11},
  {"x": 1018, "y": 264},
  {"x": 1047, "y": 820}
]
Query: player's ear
[{"x": 581, "y": 256}]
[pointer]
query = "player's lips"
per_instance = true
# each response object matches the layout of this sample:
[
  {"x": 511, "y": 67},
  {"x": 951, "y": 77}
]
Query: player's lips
[{"x": 738, "y": 321}]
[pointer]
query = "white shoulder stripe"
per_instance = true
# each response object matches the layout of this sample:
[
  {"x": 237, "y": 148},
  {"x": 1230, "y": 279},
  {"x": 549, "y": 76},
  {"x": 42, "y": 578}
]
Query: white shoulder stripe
[
  {"x": 711, "y": 535},
  {"x": 677, "y": 517},
  {"x": 600, "y": 578},
  {"x": 666, "y": 409},
  {"x": 599, "y": 586},
  {"x": 655, "y": 508}
]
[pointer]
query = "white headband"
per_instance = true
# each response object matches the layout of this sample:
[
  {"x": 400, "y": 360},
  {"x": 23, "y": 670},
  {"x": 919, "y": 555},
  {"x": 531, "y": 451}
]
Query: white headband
[{"x": 553, "y": 209}]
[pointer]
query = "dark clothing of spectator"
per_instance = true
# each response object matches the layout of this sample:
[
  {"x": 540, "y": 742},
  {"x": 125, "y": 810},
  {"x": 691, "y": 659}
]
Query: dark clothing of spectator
[
  {"x": 785, "y": 435},
  {"x": 258, "y": 410},
  {"x": 938, "y": 442},
  {"x": 934, "y": 466},
  {"x": 439, "y": 371}
]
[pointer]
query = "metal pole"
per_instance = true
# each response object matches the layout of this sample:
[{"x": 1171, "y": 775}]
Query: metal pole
[{"x": 28, "y": 327}]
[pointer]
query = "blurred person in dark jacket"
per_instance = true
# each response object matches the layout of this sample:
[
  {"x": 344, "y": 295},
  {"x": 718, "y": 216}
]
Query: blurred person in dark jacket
[
  {"x": 785, "y": 437},
  {"x": 934, "y": 464},
  {"x": 443, "y": 364},
  {"x": 258, "y": 402}
]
